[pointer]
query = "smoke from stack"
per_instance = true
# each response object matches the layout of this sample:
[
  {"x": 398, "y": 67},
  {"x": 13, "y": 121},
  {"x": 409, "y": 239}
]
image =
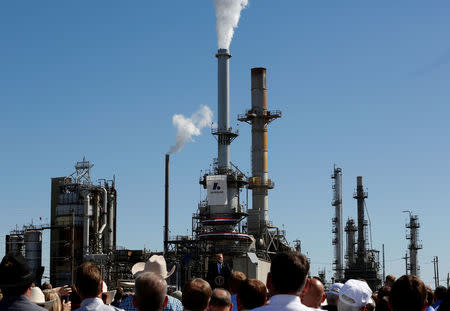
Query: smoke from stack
[
  {"x": 187, "y": 128},
  {"x": 228, "y": 13}
]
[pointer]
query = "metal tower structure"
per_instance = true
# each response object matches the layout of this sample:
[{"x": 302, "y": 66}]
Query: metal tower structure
[
  {"x": 413, "y": 225},
  {"x": 259, "y": 118},
  {"x": 360, "y": 195},
  {"x": 337, "y": 228},
  {"x": 350, "y": 230},
  {"x": 367, "y": 263}
]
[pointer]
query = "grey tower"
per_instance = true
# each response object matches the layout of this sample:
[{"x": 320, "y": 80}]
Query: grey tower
[{"x": 337, "y": 230}]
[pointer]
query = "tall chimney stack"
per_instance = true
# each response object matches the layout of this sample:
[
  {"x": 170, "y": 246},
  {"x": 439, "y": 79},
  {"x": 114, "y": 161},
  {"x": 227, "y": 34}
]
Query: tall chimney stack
[
  {"x": 259, "y": 118},
  {"x": 166, "y": 207},
  {"x": 223, "y": 102}
]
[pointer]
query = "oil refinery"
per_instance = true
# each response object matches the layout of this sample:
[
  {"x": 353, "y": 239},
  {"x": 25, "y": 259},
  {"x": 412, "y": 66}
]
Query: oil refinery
[{"x": 84, "y": 214}]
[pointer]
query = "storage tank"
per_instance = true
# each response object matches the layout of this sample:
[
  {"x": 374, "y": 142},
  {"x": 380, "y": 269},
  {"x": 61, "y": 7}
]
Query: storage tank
[{"x": 33, "y": 253}]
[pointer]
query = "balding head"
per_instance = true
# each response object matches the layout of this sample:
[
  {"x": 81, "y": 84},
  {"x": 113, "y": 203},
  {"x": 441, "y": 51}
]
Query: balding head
[
  {"x": 151, "y": 292},
  {"x": 220, "y": 300},
  {"x": 314, "y": 295}
]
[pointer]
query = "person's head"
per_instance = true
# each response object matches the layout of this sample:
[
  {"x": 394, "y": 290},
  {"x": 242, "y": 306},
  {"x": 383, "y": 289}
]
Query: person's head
[
  {"x": 150, "y": 292},
  {"x": 88, "y": 280},
  {"x": 196, "y": 295},
  {"x": 220, "y": 300},
  {"x": 288, "y": 273},
  {"x": 390, "y": 279},
  {"x": 439, "y": 293},
  {"x": 219, "y": 257},
  {"x": 46, "y": 285},
  {"x": 354, "y": 296},
  {"x": 119, "y": 294},
  {"x": 50, "y": 295},
  {"x": 15, "y": 276},
  {"x": 235, "y": 281},
  {"x": 314, "y": 295},
  {"x": 252, "y": 294},
  {"x": 408, "y": 294},
  {"x": 333, "y": 294}
]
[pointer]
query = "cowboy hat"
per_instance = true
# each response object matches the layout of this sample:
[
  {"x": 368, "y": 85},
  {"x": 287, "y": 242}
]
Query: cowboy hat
[
  {"x": 14, "y": 271},
  {"x": 155, "y": 264},
  {"x": 37, "y": 296}
]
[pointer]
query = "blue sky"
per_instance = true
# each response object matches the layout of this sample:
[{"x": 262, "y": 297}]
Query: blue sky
[{"x": 360, "y": 84}]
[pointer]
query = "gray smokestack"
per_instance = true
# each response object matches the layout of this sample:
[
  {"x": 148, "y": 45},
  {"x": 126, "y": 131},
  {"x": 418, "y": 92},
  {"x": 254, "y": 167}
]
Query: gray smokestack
[{"x": 223, "y": 129}]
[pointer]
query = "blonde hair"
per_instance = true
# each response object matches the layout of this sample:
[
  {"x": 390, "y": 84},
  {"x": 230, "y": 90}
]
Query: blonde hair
[{"x": 50, "y": 295}]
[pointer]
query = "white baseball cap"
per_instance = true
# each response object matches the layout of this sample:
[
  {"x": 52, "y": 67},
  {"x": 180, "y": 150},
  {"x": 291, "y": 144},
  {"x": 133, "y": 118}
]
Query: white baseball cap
[{"x": 355, "y": 293}]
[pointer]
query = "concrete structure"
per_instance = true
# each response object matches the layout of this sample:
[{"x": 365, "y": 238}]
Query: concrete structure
[{"x": 337, "y": 227}]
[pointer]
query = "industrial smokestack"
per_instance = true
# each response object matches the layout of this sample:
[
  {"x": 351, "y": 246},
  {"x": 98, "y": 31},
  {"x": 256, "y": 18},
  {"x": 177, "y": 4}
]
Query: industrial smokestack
[
  {"x": 259, "y": 118},
  {"x": 166, "y": 208},
  {"x": 223, "y": 108}
]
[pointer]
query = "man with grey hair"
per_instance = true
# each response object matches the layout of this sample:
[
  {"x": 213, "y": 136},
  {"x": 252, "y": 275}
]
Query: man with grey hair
[
  {"x": 150, "y": 292},
  {"x": 333, "y": 297},
  {"x": 220, "y": 300},
  {"x": 354, "y": 296}
]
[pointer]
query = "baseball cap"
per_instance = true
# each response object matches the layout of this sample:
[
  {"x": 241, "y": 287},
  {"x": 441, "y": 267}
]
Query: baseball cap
[{"x": 355, "y": 293}]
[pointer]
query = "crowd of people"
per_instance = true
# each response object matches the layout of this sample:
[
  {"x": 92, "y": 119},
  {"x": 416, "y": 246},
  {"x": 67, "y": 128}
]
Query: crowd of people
[{"x": 288, "y": 287}]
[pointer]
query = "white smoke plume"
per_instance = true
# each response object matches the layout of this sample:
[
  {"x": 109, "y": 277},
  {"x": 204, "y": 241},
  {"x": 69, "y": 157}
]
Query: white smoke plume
[
  {"x": 228, "y": 13},
  {"x": 187, "y": 128}
]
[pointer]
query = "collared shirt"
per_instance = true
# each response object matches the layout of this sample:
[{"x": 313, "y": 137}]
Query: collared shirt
[
  {"x": 91, "y": 304},
  {"x": 284, "y": 302},
  {"x": 19, "y": 303},
  {"x": 172, "y": 305}
]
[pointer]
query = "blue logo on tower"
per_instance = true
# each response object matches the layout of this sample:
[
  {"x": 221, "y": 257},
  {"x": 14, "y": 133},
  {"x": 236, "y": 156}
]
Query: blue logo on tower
[{"x": 216, "y": 186}]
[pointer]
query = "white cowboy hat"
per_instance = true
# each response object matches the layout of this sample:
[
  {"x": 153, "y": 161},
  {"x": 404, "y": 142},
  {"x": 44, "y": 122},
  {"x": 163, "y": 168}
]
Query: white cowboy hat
[
  {"x": 37, "y": 296},
  {"x": 155, "y": 264}
]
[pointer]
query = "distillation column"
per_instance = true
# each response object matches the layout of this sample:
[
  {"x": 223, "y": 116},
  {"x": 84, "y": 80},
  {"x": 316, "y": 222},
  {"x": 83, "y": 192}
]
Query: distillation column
[
  {"x": 414, "y": 245},
  {"x": 259, "y": 118},
  {"x": 338, "y": 232},
  {"x": 360, "y": 196},
  {"x": 350, "y": 230}
]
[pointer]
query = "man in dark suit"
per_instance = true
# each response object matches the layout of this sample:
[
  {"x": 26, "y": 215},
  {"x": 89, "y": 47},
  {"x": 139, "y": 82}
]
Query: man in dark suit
[{"x": 218, "y": 272}]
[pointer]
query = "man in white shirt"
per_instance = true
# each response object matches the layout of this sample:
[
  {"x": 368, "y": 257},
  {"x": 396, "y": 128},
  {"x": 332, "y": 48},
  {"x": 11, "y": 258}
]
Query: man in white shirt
[
  {"x": 285, "y": 281},
  {"x": 89, "y": 286}
]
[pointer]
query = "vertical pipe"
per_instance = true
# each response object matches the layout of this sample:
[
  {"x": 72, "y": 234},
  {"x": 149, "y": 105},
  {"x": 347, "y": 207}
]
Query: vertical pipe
[
  {"x": 384, "y": 267},
  {"x": 223, "y": 102},
  {"x": 110, "y": 232},
  {"x": 166, "y": 207},
  {"x": 86, "y": 223},
  {"x": 72, "y": 250}
]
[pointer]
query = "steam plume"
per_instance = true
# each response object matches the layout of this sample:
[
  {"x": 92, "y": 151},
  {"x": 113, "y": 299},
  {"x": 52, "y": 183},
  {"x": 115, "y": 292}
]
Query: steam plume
[
  {"x": 189, "y": 127},
  {"x": 228, "y": 13}
]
